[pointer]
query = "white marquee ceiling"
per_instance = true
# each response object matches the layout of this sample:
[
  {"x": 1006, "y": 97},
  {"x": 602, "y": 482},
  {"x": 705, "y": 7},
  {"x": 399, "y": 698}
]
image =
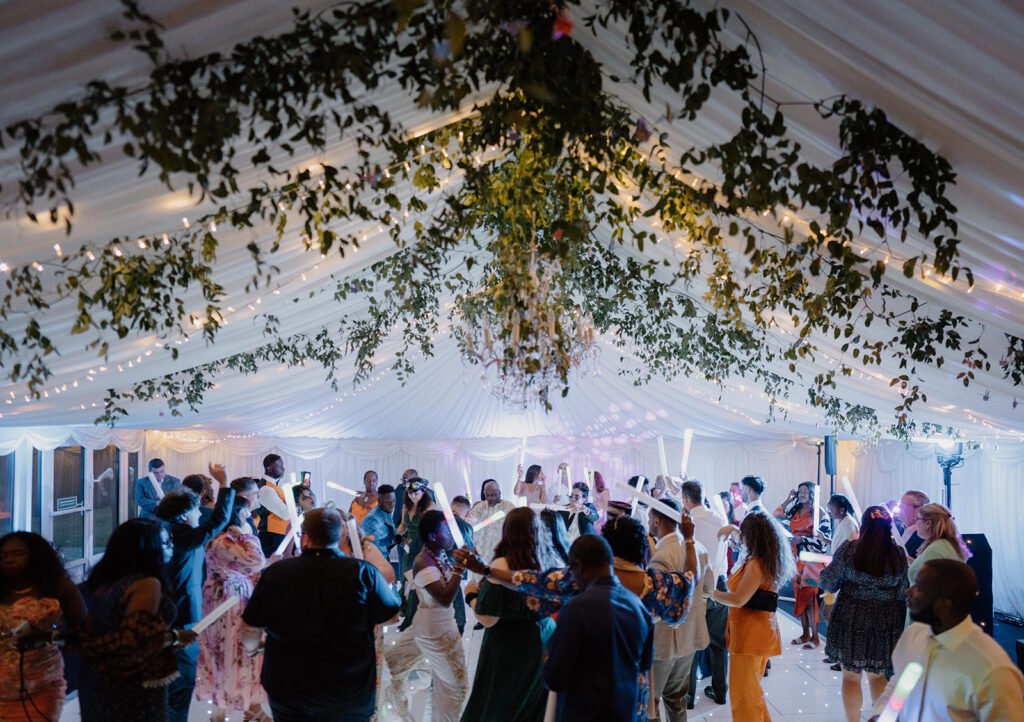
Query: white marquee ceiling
[{"x": 945, "y": 72}]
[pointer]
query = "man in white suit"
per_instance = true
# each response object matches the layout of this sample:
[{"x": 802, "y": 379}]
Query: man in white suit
[{"x": 675, "y": 646}]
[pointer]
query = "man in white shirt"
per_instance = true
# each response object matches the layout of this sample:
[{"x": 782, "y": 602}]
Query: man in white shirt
[
  {"x": 706, "y": 524},
  {"x": 675, "y": 646},
  {"x": 274, "y": 520},
  {"x": 967, "y": 675}
]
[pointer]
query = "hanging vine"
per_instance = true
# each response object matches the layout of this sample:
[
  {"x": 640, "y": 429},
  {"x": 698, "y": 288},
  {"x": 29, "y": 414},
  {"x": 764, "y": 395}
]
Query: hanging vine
[{"x": 541, "y": 104}]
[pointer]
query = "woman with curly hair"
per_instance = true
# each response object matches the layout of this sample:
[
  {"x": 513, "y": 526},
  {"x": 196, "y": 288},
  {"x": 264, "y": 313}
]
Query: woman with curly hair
[
  {"x": 508, "y": 684},
  {"x": 752, "y": 632},
  {"x": 798, "y": 513},
  {"x": 871, "y": 574},
  {"x": 34, "y": 590}
]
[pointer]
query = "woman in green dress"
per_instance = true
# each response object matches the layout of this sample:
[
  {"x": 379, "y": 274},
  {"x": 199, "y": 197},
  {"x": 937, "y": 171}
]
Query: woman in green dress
[{"x": 507, "y": 686}]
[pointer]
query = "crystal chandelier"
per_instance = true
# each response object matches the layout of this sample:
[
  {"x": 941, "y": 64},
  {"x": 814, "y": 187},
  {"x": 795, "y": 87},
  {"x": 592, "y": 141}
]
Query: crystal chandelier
[{"x": 532, "y": 341}]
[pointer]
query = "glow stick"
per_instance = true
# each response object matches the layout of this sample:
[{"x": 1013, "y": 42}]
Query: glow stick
[
  {"x": 896, "y": 534},
  {"x": 542, "y": 507},
  {"x": 465, "y": 478},
  {"x": 342, "y": 489},
  {"x": 909, "y": 678},
  {"x": 294, "y": 482},
  {"x": 815, "y": 557},
  {"x": 844, "y": 481},
  {"x": 817, "y": 509},
  {"x": 496, "y": 516},
  {"x": 353, "y": 537},
  {"x": 446, "y": 509},
  {"x": 293, "y": 513},
  {"x": 522, "y": 453},
  {"x": 687, "y": 441},
  {"x": 284, "y": 543},
  {"x": 215, "y": 614},
  {"x": 718, "y": 507},
  {"x": 661, "y": 456},
  {"x": 652, "y": 502},
  {"x": 586, "y": 478}
]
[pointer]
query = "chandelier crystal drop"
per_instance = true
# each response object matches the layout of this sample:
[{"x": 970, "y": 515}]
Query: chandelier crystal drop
[{"x": 531, "y": 345}]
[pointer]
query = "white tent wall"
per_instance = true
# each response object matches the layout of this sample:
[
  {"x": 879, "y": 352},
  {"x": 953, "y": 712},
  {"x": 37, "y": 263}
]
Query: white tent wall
[
  {"x": 344, "y": 461},
  {"x": 987, "y": 498}
]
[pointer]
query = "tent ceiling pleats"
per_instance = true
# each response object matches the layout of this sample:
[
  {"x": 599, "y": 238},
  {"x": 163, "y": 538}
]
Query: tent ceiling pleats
[{"x": 945, "y": 73}]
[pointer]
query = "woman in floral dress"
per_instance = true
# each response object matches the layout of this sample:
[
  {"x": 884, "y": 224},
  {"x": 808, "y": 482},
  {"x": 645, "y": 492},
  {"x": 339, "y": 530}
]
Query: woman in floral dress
[
  {"x": 225, "y": 672},
  {"x": 798, "y": 513}
]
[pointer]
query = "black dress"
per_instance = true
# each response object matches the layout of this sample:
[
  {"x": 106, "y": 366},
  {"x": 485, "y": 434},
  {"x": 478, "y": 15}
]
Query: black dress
[
  {"x": 869, "y": 614},
  {"x": 126, "y": 667}
]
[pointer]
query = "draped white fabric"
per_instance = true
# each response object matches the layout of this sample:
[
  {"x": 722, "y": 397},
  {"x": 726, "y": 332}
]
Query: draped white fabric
[
  {"x": 988, "y": 498},
  {"x": 93, "y": 438},
  {"x": 781, "y": 464},
  {"x": 811, "y": 50}
]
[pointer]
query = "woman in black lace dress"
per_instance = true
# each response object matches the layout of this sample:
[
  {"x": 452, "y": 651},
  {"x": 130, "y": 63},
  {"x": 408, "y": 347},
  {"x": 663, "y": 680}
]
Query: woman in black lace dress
[
  {"x": 870, "y": 574},
  {"x": 128, "y": 646}
]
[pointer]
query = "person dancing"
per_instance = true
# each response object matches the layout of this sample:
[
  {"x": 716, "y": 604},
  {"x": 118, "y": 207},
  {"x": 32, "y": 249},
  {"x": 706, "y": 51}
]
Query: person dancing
[
  {"x": 871, "y": 573},
  {"x": 436, "y": 581},
  {"x": 752, "y": 632},
  {"x": 798, "y": 512},
  {"x": 226, "y": 673},
  {"x": 507, "y": 685}
]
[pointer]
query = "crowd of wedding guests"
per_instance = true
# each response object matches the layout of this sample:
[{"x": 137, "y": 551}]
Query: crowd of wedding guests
[{"x": 574, "y": 592}]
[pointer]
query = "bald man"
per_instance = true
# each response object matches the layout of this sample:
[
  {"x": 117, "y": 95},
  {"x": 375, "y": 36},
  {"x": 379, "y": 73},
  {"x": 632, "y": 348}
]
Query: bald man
[{"x": 967, "y": 675}]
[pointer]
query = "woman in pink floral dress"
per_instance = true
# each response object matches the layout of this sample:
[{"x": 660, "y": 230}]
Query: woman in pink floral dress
[{"x": 226, "y": 674}]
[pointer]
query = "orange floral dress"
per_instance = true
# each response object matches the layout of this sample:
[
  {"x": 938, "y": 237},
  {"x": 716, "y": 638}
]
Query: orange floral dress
[{"x": 43, "y": 667}]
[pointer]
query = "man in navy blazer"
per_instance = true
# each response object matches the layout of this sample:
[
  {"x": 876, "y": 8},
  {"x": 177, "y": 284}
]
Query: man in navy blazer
[{"x": 150, "y": 489}]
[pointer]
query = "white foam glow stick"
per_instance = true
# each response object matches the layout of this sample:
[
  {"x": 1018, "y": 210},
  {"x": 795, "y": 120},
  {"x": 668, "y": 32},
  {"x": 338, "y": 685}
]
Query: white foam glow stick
[
  {"x": 661, "y": 456},
  {"x": 215, "y": 614},
  {"x": 293, "y": 513},
  {"x": 542, "y": 507},
  {"x": 844, "y": 481},
  {"x": 522, "y": 453},
  {"x": 294, "y": 482},
  {"x": 687, "y": 442},
  {"x": 815, "y": 557},
  {"x": 587, "y": 479},
  {"x": 817, "y": 509},
  {"x": 342, "y": 489},
  {"x": 353, "y": 538},
  {"x": 284, "y": 543},
  {"x": 652, "y": 502},
  {"x": 909, "y": 678},
  {"x": 465, "y": 478},
  {"x": 496, "y": 516},
  {"x": 718, "y": 507},
  {"x": 446, "y": 509}
]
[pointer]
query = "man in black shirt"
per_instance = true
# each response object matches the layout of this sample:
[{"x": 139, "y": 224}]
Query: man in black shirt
[
  {"x": 179, "y": 510},
  {"x": 319, "y": 611}
]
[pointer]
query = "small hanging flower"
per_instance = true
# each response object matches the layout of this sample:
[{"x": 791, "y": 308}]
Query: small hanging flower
[
  {"x": 563, "y": 26},
  {"x": 557, "y": 234},
  {"x": 643, "y": 134}
]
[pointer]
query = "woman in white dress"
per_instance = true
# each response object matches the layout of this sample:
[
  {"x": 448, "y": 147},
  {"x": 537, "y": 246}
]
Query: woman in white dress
[
  {"x": 532, "y": 487},
  {"x": 486, "y": 539},
  {"x": 436, "y": 581}
]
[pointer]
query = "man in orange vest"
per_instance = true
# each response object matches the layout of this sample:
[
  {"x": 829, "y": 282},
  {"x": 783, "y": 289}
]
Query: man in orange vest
[{"x": 274, "y": 525}]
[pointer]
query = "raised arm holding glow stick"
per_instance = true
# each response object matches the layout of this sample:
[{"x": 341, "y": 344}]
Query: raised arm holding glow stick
[
  {"x": 353, "y": 537},
  {"x": 909, "y": 678},
  {"x": 293, "y": 513},
  {"x": 653, "y": 503},
  {"x": 446, "y": 509},
  {"x": 284, "y": 543},
  {"x": 661, "y": 456},
  {"x": 342, "y": 489},
  {"x": 687, "y": 442},
  {"x": 216, "y": 614},
  {"x": 844, "y": 481},
  {"x": 817, "y": 509}
]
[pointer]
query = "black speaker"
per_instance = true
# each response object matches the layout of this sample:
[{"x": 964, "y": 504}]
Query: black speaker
[
  {"x": 830, "y": 455},
  {"x": 981, "y": 563}
]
